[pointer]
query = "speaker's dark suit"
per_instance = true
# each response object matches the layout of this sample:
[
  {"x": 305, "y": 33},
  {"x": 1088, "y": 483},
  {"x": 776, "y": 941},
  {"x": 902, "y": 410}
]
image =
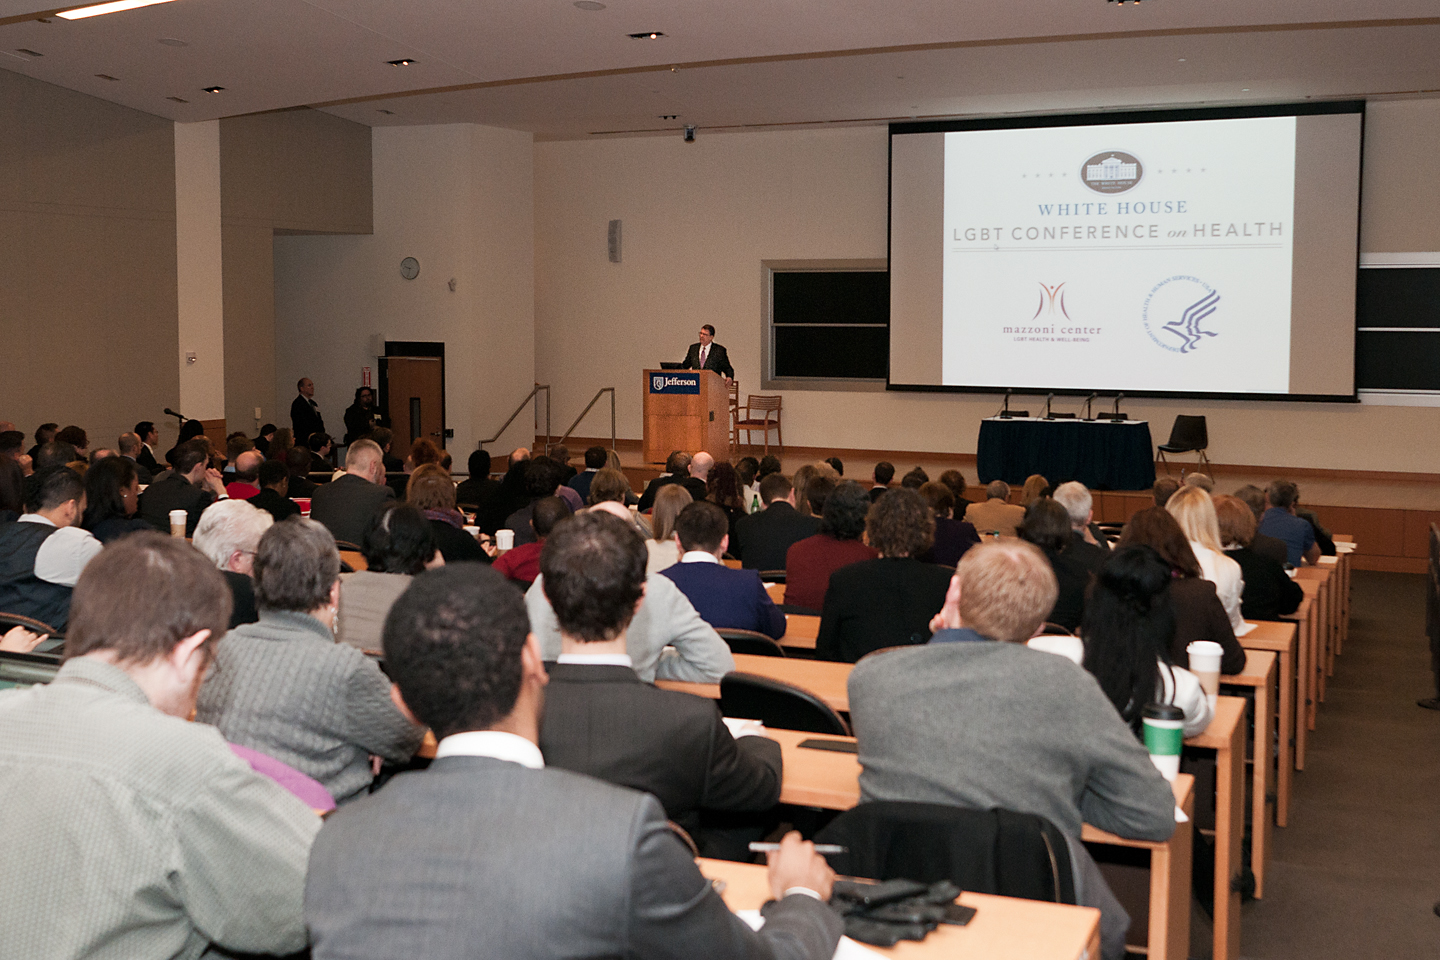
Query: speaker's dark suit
[
  {"x": 346, "y": 504},
  {"x": 604, "y": 721},
  {"x": 717, "y": 359}
]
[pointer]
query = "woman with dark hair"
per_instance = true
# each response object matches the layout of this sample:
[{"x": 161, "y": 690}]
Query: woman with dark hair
[
  {"x": 285, "y": 688},
  {"x": 280, "y": 445},
  {"x": 1199, "y": 615},
  {"x": 1047, "y": 525},
  {"x": 723, "y": 489},
  {"x": 361, "y": 417},
  {"x": 432, "y": 491},
  {"x": 955, "y": 480},
  {"x": 398, "y": 544},
  {"x": 952, "y": 537},
  {"x": 1128, "y": 630},
  {"x": 112, "y": 495},
  {"x": 809, "y": 562},
  {"x": 12, "y": 490},
  {"x": 886, "y": 602}
]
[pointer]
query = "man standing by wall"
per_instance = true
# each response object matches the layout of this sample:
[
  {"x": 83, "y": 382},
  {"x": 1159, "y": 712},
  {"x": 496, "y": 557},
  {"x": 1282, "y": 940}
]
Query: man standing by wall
[{"x": 305, "y": 412}]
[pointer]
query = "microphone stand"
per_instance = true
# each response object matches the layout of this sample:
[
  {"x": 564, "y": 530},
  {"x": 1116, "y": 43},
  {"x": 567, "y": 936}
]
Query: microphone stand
[
  {"x": 1047, "y": 406},
  {"x": 1005, "y": 410},
  {"x": 1088, "y": 402}
]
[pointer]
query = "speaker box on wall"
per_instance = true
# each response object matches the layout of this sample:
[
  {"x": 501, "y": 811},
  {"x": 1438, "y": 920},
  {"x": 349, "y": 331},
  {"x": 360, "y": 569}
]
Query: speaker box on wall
[{"x": 614, "y": 241}]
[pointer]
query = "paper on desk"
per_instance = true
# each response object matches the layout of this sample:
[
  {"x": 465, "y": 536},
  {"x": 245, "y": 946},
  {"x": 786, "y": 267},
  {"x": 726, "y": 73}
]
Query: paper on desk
[
  {"x": 847, "y": 949},
  {"x": 1245, "y": 628},
  {"x": 1180, "y": 816},
  {"x": 744, "y": 728}
]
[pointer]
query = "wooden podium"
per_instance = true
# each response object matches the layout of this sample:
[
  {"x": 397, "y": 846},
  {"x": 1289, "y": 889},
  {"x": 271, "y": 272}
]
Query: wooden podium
[{"x": 685, "y": 410}]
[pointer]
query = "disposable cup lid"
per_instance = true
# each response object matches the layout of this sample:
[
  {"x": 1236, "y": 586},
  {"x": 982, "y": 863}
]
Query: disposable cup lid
[{"x": 1163, "y": 711}]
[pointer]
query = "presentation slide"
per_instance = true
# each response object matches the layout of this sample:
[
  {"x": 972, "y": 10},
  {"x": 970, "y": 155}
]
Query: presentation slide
[{"x": 1151, "y": 257}]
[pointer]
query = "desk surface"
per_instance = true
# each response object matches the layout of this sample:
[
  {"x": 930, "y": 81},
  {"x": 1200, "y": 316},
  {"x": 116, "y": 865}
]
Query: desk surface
[{"x": 1004, "y": 928}]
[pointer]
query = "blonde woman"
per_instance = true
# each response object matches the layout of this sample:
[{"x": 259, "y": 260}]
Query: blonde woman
[
  {"x": 664, "y": 549},
  {"x": 1193, "y": 509},
  {"x": 1036, "y": 486}
]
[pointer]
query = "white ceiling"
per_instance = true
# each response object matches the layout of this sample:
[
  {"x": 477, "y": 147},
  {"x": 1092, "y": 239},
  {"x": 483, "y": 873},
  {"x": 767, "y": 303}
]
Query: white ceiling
[{"x": 562, "y": 72}]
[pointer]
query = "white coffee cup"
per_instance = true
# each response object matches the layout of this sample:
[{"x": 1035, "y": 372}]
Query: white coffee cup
[
  {"x": 177, "y": 523},
  {"x": 505, "y": 539},
  {"x": 1205, "y": 664},
  {"x": 473, "y": 531}
]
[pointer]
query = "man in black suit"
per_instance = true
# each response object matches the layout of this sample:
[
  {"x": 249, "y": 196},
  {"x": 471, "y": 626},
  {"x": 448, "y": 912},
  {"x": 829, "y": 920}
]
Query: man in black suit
[
  {"x": 709, "y": 355},
  {"x": 677, "y": 470},
  {"x": 1087, "y": 545},
  {"x": 602, "y": 720},
  {"x": 130, "y": 449},
  {"x": 274, "y": 489},
  {"x": 595, "y": 460},
  {"x": 305, "y": 415},
  {"x": 762, "y": 539},
  {"x": 345, "y": 505},
  {"x": 513, "y": 858},
  {"x": 191, "y": 486},
  {"x": 297, "y": 463}
]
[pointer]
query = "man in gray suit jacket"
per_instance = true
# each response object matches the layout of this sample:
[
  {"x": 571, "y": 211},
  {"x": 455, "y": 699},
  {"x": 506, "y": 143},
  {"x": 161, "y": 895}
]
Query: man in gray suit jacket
[
  {"x": 488, "y": 853},
  {"x": 346, "y": 504}
]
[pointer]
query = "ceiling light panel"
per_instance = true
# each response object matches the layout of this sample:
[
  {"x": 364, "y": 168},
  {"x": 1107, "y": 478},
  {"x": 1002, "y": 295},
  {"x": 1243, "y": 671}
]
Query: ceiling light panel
[{"x": 100, "y": 9}]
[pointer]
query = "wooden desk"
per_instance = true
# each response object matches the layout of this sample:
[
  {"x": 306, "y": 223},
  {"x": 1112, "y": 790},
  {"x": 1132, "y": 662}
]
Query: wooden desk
[
  {"x": 776, "y": 591},
  {"x": 1324, "y": 621},
  {"x": 1004, "y": 928},
  {"x": 1281, "y": 639},
  {"x": 1304, "y": 619},
  {"x": 1226, "y": 736},
  {"x": 824, "y": 679},
  {"x": 1259, "y": 674},
  {"x": 801, "y": 630}
]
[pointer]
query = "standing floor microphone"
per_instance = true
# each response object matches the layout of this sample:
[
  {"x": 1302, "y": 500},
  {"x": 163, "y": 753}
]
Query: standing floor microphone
[
  {"x": 1088, "y": 401},
  {"x": 1047, "y": 406}
]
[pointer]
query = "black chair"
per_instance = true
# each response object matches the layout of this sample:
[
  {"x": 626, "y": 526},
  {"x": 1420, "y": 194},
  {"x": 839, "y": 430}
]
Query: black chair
[
  {"x": 1188, "y": 435},
  {"x": 778, "y": 704},
  {"x": 8, "y": 620},
  {"x": 987, "y": 851},
  {"x": 772, "y": 576},
  {"x": 27, "y": 669},
  {"x": 750, "y": 642},
  {"x": 1048, "y": 629}
]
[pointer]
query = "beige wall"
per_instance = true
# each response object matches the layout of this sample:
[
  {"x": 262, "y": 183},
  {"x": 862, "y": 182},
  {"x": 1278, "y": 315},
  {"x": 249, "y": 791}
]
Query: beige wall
[
  {"x": 458, "y": 198},
  {"x": 699, "y": 219},
  {"x": 88, "y": 313}
]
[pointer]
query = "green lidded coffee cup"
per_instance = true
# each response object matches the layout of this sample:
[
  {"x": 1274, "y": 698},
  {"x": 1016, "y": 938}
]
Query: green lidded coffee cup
[{"x": 1164, "y": 727}]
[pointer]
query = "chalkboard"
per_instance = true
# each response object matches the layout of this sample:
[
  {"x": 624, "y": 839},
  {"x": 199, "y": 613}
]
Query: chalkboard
[
  {"x": 831, "y": 323},
  {"x": 1397, "y": 320}
]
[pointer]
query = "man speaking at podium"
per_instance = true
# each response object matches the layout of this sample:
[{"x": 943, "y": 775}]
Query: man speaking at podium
[{"x": 709, "y": 355}]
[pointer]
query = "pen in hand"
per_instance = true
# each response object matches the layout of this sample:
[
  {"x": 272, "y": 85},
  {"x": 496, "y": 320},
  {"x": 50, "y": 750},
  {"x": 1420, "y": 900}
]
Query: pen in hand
[{"x": 824, "y": 849}]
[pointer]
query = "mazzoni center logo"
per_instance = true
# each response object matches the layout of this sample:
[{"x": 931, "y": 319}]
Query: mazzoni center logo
[
  {"x": 1113, "y": 171},
  {"x": 1174, "y": 311}
]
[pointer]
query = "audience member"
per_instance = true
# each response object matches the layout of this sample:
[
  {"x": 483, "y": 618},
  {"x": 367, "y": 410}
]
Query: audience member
[
  {"x": 801, "y": 481},
  {"x": 1086, "y": 539},
  {"x": 762, "y": 539},
  {"x": 886, "y": 602},
  {"x": 12, "y": 447},
  {"x": 609, "y": 485},
  {"x": 697, "y": 482},
  {"x": 362, "y": 417},
  {"x": 1269, "y": 593},
  {"x": 1035, "y": 487},
  {"x": 677, "y": 467},
  {"x": 996, "y": 514},
  {"x": 482, "y": 492},
  {"x": 1195, "y": 512},
  {"x": 915, "y": 479},
  {"x": 522, "y": 565},
  {"x": 542, "y": 479},
  {"x": 384, "y": 438},
  {"x": 345, "y": 505},
  {"x": 952, "y": 537},
  {"x": 149, "y": 439},
  {"x": 247, "y": 474},
  {"x": 595, "y": 461},
  {"x": 561, "y": 455},
  {"x": 512, "y": 487},
  {"x": 1199, "y": 615},
  {"x": 1128, "y": 631},
  {"x": 305, "y": 416},
  {"x": 810, "y": 562},
  {"x": 262, "y": 440},
  {"x": 1164, "y": 489},
  {"x": 229, "y": 534},
  {"x": 659, "y": 742},
  {"x": 768, "y": 464},
  {"x": 321, "y": 447},
  {"x": 817, "y": 491},
  {"x": 613, "y": 880},
  {"x": 884, "y": 473},
  {"x": 236, "y": 444},
  {"x": 663, "y": 551},
  {"x": 130, "y": 449},
  {"x": 297, "y": 462},
  {"x": 112, "y": 497},
  {"x": 55, "y": 453},
  {"x": 76, "y": 437},
  {"x": 746, "y": 469},
  {"x": 280, "y": 446},
  {"x": 975, "y": 719},
  {"x": 129, "y": 832},
  {"x": 43, "y": 553},
  {"x": 837, "y": 465},
  {"x": 725, "y": 491},
  {"x": 191, "y": 486},
  {"x": 955, "y": 480},
  {"x": 399, "y": 543},
  {"x": 12, "y": 490},
  {"x": 1199, "y": 480},
  {"x": 101, "y": 453},
  {"x": 723, "y": 597},
  {"x": 1323, "y": 539},
  {"x": 284, "y": 687},
  {"x": 274, "y": 480},
  {"x": 432, "y": 491},
  {"x": 1047, "y": 525},
  {"x": 1254, "y": 498},
  {"x": 43, "y": 435}
]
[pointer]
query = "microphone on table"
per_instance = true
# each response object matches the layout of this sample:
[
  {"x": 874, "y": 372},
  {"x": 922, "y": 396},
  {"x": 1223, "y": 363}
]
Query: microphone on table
[
  {"x": 1047, "y": 406},
  {"x": 1088, "y": 401},
  {"x": 1005, "y": 410}
]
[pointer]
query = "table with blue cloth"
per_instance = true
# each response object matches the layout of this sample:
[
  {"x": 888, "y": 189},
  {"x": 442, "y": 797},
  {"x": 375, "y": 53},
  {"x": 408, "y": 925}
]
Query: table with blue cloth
[{"x": 1102, "y": 454}]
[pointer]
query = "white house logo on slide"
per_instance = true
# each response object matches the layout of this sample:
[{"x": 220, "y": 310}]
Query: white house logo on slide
[
  {"x": 1113, "y": 171},
  {"x": 1175, "y": 310}
]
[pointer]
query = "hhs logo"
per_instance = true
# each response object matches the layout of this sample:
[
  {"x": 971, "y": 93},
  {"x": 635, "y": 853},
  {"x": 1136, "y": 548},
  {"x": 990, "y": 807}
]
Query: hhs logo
[
  {"x": 1176, "y": 310},
  {"x": 681, "y": 383}
]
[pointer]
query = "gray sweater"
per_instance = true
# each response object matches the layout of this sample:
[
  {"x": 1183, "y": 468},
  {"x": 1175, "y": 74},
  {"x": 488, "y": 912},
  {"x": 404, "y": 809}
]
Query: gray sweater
[
  {"x": 984, "y": 724},
  {"x": 284, "y": 687}
]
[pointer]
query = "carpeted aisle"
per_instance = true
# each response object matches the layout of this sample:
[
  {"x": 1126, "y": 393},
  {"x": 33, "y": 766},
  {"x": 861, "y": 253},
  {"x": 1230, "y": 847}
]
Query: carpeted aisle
[{"x": 1357, "y": 872}]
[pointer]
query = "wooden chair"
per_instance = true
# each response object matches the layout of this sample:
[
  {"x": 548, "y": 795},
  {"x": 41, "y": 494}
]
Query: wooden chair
[
  {"x": 778, "y": 704},
  {"x": 769, "y": 409},
  {"x": 750, "y": 642}
]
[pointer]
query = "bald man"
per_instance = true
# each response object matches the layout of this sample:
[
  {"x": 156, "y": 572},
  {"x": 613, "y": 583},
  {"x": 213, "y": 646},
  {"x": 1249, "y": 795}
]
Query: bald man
[
  {"x": 346, "y": 504},
  {"x": 247, "y": 473},
  {"x": 697, "y": 483}
]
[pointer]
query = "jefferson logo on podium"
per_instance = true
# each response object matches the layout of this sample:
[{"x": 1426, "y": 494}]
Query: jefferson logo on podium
[{"x": 675, "y": 383}]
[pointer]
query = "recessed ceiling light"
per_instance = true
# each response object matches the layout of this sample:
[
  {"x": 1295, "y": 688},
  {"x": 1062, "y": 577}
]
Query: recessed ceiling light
[
  {"x": 29, "y": 53},
  {"x": 172, "y": 42},
  {"x": 669, "y": 116},
  {"x": 591, "y": 5},
  {"x": 652, "y": 35},
  {"x": 402, "y": 62},
  {"x": 1244, "y": 89},
  {"x": 98, "y": 9},
  {"x": 212, "y": 89},
  {"x": 388, "y": 113},
  {"x": 178, "y": 99},
  {"x": 106, "y": 76},
  {"x": 1182, "y": 59}
]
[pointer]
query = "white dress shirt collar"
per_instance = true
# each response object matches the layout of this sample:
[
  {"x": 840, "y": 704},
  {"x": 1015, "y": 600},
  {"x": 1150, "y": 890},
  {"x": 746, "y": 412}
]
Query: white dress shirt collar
[
  {"x": 699, "y": 556},
  {"x": 601, "y": 659},
  {"x": 36, "y": 518},
  {"x": 491, "y": 743}
]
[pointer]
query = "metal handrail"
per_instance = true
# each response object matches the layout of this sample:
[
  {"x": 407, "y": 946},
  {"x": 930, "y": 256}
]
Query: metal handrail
[
  {"x": 528, "y": 397},
  {"x": 593, "y": 400}
]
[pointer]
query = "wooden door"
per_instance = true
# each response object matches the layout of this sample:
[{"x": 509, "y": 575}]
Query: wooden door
[{"x": 415, "y": 398}]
